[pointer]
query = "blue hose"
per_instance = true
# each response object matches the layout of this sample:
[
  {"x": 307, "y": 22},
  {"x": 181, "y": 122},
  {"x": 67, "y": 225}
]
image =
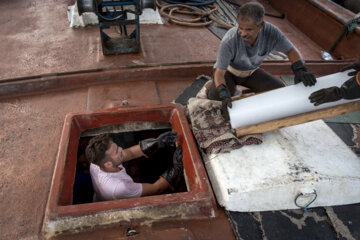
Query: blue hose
[{"x": 195, "y": 3}]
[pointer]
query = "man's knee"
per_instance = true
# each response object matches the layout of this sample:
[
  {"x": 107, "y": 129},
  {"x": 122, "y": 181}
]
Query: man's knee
[{"x": 265, "y": 81}]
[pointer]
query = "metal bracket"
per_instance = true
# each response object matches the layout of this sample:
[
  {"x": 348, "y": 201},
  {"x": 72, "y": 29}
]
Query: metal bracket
[{"x": 306, "y": 205}]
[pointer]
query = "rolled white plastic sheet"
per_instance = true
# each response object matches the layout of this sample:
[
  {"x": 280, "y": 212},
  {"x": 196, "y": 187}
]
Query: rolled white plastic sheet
[{"x": 283, "y": 102}]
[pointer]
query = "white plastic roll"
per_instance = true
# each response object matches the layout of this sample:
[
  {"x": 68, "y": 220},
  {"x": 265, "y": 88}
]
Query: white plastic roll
[{"x": 283, "y": 102}]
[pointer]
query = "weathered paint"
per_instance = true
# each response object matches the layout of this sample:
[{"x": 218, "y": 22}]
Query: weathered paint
[
  {"x": 74, "y": 224},
  {"x": 165, "y": 73},
  {"x": 295, "y": 160},
  {"x": 63, "y": 217},
  {"x": 322, "y": 21}
]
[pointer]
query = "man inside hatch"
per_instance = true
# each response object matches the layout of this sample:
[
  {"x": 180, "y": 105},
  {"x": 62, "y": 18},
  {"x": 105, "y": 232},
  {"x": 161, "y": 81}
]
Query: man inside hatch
[
  {"x": 242, "y": 51},
  {"x": 349, "y": 90},
  {"x": 109, "y": 177}
]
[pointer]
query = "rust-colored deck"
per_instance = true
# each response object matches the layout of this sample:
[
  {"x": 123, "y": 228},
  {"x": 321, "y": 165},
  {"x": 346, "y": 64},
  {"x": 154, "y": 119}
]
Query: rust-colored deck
[
  {"x": 198, "y": 202},
  {"x": 36, "y": 41},
  {"x": 31, "y": 134},
  {"x": 46, "y": 44}
]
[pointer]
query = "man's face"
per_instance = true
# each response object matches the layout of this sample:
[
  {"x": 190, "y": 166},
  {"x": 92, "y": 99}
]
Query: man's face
[
  {"x": 115, "y": 154},
  {"x": 248, "y": 29}
]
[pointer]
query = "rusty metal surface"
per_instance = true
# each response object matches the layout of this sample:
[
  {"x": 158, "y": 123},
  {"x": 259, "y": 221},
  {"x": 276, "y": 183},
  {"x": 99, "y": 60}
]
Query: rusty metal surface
[
  {"x": 37, "y": 41},
  {"x": 175, "y": 233},
  {"x": 173, "y": 77},
  {"x": 322, "y": 21},
  {"x": 31, "y": 128},
  {"x": 135, "y": 93},
  {"x": 129, "y": 93},
  {"x": 64, "y": 81},
  {"x": 30, "y": 142},
  {"x": 62, "y": 216},
  {"x": 212, "y": 228},
  {"x": 46, "y": 43}
]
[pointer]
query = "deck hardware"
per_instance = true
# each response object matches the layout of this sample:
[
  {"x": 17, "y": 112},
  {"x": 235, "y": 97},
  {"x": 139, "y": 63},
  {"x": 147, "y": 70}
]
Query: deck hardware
[
  {"x": 131, "y": 232},
  {"x": 306, "y": 205},
  {"x": 121, "y": 14},
  {"x": 348, "y": 27}
]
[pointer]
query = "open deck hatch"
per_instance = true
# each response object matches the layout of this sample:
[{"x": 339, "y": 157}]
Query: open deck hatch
[{"x": 195, "y": 201}]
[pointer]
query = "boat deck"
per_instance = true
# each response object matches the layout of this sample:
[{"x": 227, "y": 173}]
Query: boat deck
[
  {"x": 36, "y": 41},
  {"x": 46, "y": 44}
]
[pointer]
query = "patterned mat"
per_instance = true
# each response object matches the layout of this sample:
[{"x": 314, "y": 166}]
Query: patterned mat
[{"x": 212, "y": 132}]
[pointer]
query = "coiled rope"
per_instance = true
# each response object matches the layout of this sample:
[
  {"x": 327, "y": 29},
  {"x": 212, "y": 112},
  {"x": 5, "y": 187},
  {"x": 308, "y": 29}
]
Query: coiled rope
[
  {"x": 200, "y": 17},
  {"x": 191, "y": 2}
]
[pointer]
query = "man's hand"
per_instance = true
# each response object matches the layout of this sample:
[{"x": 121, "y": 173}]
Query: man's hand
[
  {"x": 225, "y": 97},
  {"x": 150, "y": 146},
  {"x": 302, "y": 75},
  {"x": 325, "y": 95},
  {"x": 355, "y": 66},
  {"x": 167, "y": 139},
  {"x": 177, "y": 157}
]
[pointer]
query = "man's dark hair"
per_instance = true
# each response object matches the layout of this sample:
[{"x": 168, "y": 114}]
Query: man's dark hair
[
  {"x": 253, "y": 10},
  {"x": 95, "y": 150}
]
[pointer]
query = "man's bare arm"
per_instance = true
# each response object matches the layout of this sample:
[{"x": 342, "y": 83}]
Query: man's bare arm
[
  {"x": 156, "y": 188},
  {"x": 294, "y": 55},
  {"x": 133, "y": 153},
  {"x": 219, "y": 77}
]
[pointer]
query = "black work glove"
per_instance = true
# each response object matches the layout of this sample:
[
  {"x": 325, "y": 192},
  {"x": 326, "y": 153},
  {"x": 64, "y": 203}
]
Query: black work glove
[
  {"x": 150, "y": 146},
  {"x": 355, "y": 66},
  {"x": 302, "y": 75},
  {"x": 175, "y": 173},
  {"x": 350, "y": 89},
  {"x": 177, "y": 157},
  {"x": 225, "y": 97},
  {"x": 325, "y": 95}
]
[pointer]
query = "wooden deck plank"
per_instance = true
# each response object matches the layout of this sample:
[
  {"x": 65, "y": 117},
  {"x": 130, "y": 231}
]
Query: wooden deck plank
[{"x": 298, "y": 119}]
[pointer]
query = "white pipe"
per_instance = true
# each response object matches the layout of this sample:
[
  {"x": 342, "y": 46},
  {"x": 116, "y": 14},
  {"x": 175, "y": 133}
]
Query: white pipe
[{"x": 283, "y": 102}]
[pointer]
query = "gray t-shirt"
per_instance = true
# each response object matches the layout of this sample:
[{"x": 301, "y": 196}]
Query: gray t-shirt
[{"x": 240, "y": 55}]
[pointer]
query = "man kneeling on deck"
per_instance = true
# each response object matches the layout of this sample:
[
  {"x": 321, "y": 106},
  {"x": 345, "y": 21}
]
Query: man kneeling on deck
[
  {"x": 109, "y": 177},
  {"x": 243, "y": 49}
]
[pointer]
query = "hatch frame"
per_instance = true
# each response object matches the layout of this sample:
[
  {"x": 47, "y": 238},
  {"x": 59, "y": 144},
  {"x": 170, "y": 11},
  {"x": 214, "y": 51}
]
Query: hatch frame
[{"x": 61, "y": 216}]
